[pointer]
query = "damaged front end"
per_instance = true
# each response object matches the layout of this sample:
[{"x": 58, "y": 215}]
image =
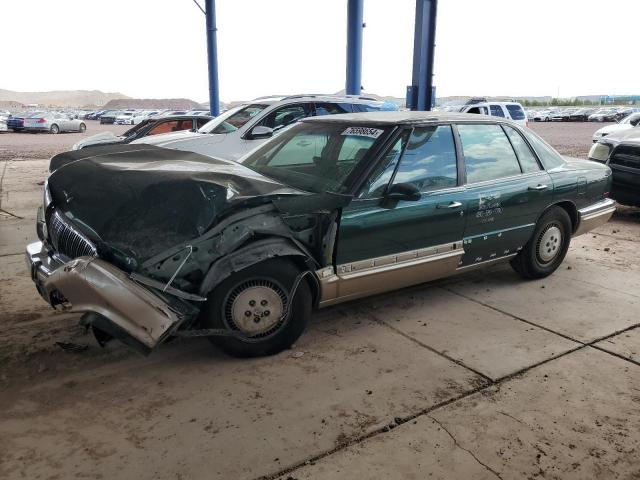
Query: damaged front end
[
  {"x": 136, "y": 239},
  {"x": 113, "y": 303}
]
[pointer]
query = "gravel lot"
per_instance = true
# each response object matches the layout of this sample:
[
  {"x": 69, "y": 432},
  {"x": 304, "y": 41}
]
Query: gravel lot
[{"x": 478, "y": 376}]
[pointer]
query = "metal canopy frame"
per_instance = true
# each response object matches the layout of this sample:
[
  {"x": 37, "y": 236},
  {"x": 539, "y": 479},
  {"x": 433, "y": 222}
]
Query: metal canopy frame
[{"x": 420, "y": 94}]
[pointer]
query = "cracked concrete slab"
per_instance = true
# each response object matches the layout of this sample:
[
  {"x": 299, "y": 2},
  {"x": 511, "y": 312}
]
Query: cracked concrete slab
[
  {"x": 488, "y": 341},
  {"x": 241, "y": 418},
  {"x": 574, "y": 418},
  {"x": 582, "y": 311},
  {"x": 626, "y": 344}
]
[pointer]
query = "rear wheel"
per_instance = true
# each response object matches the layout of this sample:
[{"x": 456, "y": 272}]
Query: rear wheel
[
  {"x": 253, "y": 302},
  {"x": 82, "y": 127},
  {"x": 55, "y": 129},
  {"x": 548, "y": 245}
]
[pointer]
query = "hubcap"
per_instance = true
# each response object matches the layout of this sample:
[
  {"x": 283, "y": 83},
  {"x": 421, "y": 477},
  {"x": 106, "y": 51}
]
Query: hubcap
[
  {"x": 256, "y": 308},
  {"x": 549, "y": 244}
]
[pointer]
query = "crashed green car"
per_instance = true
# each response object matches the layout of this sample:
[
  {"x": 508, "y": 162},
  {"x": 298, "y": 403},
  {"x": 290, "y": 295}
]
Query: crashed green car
[{"x": 151, "y": 243}]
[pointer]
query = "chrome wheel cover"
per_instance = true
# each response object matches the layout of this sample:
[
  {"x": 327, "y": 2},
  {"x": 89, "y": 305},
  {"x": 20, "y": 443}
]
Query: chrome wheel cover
[
  {"x": 549, "y": 244},
  {"x": 256, "y": 308}
]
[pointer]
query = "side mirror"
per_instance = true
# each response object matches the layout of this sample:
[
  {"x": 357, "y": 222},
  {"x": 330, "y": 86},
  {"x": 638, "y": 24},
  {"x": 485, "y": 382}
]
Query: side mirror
[
  {"x": 260, "y": 132},
  {"x": 403, "y": 191}
]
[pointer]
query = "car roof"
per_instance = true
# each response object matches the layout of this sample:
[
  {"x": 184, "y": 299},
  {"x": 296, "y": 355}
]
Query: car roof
[
  {"x": 313, "y": 97},
  {"x": 404, "y": 117},
  {"x": 179, "y": 117}
]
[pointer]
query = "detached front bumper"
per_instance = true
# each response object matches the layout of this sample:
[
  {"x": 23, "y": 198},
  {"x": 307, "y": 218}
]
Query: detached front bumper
[{"x": 118, "y": 306}]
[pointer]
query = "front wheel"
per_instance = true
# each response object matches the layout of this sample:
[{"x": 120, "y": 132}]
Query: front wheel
[
  {"x": 82, "y": 127},
  {"x": 55, "y": 129},
  {"x": 254, "y": 303},
  {"x": 547, "y": 247}
]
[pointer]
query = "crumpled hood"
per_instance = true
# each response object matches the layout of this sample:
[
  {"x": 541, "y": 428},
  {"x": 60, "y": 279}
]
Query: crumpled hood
[{"x": 141, "y": 199}]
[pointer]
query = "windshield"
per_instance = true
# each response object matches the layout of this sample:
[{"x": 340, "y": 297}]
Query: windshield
[
  {"x": 315, "y": 156},
  {"x": 233, "y": 119}
]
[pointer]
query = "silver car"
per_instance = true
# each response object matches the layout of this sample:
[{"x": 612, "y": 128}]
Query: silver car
[
  {"x": 238, "y": 131},
  {"x": 53, "y": 122}
]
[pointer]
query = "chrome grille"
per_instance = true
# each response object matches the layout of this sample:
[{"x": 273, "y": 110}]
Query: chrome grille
[{"x": 67, "y": 240}]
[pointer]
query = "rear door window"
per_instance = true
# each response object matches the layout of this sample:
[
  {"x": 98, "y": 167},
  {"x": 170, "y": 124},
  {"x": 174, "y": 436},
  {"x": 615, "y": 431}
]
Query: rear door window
[
  {"x": 516, "y": 112},
  {"x": 496, "y": 111},
  {"x": 488, "y": 154}
]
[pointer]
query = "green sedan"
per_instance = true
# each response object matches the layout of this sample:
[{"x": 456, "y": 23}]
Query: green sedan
[{"x": 152, "y": 243}]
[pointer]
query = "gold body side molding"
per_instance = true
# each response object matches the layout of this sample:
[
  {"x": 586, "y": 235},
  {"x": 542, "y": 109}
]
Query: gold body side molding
[{"x": 383, "y": 274}]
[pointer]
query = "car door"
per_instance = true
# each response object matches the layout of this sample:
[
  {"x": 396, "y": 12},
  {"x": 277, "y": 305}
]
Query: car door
[
  {"x": 506, "y": 190},
  {"x": 386, "y": 243}
]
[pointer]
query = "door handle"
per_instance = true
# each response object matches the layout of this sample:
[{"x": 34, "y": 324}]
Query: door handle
[
  {"x": 539, "y": 187},
  {"x": 451, "y": 204}
]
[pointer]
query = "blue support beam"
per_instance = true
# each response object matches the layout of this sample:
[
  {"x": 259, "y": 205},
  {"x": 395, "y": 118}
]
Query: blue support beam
[
  {"x": 212, "y": 57},
  {"x": 421, "y": 93},
  {"x": 355, "y": 26}
]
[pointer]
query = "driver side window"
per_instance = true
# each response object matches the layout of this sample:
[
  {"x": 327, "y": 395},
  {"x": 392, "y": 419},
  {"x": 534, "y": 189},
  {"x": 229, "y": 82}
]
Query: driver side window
[{"x": 429, "y": 161}]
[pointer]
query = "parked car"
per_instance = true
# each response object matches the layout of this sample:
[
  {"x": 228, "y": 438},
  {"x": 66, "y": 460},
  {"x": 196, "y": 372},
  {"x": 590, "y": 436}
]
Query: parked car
[
  {"x": 53, "y": 122},
  {"x": 242, "y": 129},
  {"x": 3, "y": 124},
  {"x": 581, "y": 115},
  {"x": 125, "y": 118},
  {"x": 109, "y": 117},
  {"x": 150, "y": 126},
  {"x": 511, "y": 110},
  {"x": 562, "y": 115},
  {"x": 16, "y": 122},
  {"x": 621, "y": 152},
  {"x": 544, "y": 115},
  {"x": 632, "y": 120},
  {"x": 604, "y": 115},
  {"x": 151, "y": 243}
]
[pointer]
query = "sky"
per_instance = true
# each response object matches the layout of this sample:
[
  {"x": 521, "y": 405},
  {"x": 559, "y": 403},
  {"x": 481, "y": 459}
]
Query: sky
[{"x": 157, "y": 48}]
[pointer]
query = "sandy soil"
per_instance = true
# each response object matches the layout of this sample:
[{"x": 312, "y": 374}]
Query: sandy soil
[{"x": 477, "y": 376}]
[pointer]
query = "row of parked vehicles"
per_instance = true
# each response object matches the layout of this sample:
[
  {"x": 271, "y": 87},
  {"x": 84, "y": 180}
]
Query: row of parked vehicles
[
  {"x": 41, "y": 121},
  {"x": 135, "y": 116},
  {"x": 575, "y": 114},
  {"x": 238, "y": 230}
]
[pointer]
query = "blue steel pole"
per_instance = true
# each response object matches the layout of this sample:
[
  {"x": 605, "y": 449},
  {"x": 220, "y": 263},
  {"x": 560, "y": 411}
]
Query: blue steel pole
[
  {"x": 424, "y": 53},
  {"x": 355, "y": 26},
  {"x": 212, "y": 57}
]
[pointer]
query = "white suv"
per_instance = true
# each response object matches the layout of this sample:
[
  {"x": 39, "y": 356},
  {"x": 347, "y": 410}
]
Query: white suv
[
  {"x": 243, "y": 128},
  {"x": 511, "y": 110}
]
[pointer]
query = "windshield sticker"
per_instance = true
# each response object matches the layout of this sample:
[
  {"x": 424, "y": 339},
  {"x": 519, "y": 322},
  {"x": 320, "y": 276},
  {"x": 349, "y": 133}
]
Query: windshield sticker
[{"x": 363, "y": 132}]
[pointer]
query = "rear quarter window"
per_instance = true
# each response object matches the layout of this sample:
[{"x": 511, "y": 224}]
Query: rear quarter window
[
  {"x": 547, "y": 155},
  {"x": 516, "y": 112}
]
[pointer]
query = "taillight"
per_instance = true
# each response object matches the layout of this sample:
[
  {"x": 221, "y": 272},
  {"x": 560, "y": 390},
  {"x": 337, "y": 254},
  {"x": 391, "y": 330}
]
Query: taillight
[
  {"x": 605, "y": 195},
  {"x": 40, "y": 120}
]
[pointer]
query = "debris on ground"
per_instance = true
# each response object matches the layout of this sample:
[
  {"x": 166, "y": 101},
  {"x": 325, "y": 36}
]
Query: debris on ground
[{"x": 72, "y": 347}]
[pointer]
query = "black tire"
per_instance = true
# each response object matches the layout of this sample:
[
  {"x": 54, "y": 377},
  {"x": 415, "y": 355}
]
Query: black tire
[
  {"x": 274, "y": 277},
  {"x": 82, "y": 127},
  {"x": 547, "y": 247},
  {"x": 54, "y": 129}
]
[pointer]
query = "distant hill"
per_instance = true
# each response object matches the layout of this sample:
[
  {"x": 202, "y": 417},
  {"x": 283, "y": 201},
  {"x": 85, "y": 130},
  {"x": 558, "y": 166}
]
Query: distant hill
[
  {"x": 61, "y": 98},
  {"x": 150, "y": 103}
]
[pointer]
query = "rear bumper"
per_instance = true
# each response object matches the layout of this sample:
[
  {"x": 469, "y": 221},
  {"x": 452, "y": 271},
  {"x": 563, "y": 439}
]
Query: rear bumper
[
  {"x": 118, "y": 305},
  {"x": 594, "y": 215}
]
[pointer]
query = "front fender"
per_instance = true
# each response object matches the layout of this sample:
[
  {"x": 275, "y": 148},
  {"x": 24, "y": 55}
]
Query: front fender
[{"x": 248, "y": 255}]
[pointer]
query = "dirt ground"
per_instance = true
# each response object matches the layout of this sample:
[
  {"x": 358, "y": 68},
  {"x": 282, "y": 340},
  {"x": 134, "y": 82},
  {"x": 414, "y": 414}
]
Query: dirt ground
[{"x": 479, "y": 376}]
